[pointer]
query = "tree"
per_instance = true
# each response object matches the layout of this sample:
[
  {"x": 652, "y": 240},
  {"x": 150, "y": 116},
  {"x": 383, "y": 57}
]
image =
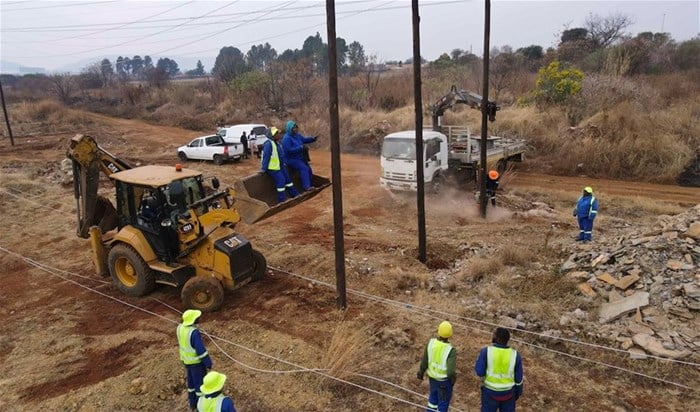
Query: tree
[
  {"x": 229, "y": 64},
  {"x": 356, "y": 57},
  {"x": 137, "y": 66},
  {"x": 197, "y": 71},
  {"x": 106, "y": 71},
  {"x": 147, "y": 62},
  {"x": 260, "y": 57},
  {"x": 533, "y": 56},
  {"x": 289, "y": 55},
  {"x": 90, "y": 77},
  {"x": 316, "y": 51},
  {"x": 604, "y": 31},
  {"x": 687, "y": 55},
  {"x": 341, "y": 48},
  {"x": 62, "y": 85},
  {"x": 168, "y": 66},
  {"x": 557, "y": 85},
  {"x": 121, "y": 70},
  {"x": 505, "y": 70},
  {"x": 575, "y": 34},
  {"x": 442, "y": 62}
]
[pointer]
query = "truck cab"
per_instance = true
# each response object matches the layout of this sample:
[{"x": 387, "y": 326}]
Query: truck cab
[{"x": 398, "y": 159}]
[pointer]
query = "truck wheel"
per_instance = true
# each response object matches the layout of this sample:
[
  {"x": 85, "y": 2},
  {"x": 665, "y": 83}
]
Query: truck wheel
[
  {"x": 204, "y": 293},
  {"x": 218, "y": 160},
  {"x": 259, "y": 266},
  {"x": 129, "y": 271},
  {"x": 501, "y": 166},
  {"x": 437, "y": 185},
  {"x": 182, "y": 156}
]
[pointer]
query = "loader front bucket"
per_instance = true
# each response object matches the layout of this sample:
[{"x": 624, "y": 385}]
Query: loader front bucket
[{"x": 256, "y": 195}]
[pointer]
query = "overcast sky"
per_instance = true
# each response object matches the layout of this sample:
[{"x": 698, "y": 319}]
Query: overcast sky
[{"x": 58, "y": 34}]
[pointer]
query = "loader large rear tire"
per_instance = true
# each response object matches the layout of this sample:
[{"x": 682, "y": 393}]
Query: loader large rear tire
[
  {"x": 259, "y": 266},
  {"x": 129, "y": 271},
  {"x": 204, "y": 293}
]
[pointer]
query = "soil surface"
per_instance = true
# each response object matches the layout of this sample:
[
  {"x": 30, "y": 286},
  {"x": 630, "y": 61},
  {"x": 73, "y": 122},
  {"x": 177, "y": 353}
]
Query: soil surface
[{"x": 72, "y": 342}]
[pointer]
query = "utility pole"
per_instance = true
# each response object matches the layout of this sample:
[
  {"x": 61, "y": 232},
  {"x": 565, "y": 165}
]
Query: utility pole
[
  {"x": 485, "y": 110},
  {"x": 335, "y": 156},
  {"x": 7, "y": 119},
  {"x": 418, "y": 102}
]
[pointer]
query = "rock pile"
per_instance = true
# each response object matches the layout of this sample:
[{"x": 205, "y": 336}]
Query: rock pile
[{"x": 653, "y": 276}]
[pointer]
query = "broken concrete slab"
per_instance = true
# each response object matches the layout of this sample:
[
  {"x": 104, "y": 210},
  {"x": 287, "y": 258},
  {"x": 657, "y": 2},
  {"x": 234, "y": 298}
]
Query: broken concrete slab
[
  {"x": 578, "y": 275},
  {"x": 635, "y": 328},
  {"x": 637, "y": 354},
  {"x": 614, "y": 296},
  {"x": 602, "y": 259},
  {"x": 587, "y": 290},
  {"x": 607, "y": 278},
  {"x": 626, "y": 281},
  {"x": 656, "y": 348},
  {"x": 613, "y": 310}
]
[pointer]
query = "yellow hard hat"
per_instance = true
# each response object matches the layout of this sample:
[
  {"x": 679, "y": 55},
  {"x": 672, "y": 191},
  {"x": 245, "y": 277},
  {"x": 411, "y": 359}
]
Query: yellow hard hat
[
  {"x": 212, "y": 382},
  {"x": 274, "y": 131},
  {"x": 493, "y": 174},
  {"x": 445, "y": 329},
  {"x": 190, "y": 316},
  {"x": 588, "y": 189}
]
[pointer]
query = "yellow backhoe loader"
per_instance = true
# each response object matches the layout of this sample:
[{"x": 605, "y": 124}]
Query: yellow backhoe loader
[{"x": 168, "y": 228}]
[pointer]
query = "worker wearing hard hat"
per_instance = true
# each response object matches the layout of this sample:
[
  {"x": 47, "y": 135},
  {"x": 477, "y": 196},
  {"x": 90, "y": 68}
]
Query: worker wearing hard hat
[
  {"x": 294, "y": 146},
  {"x": 586, "y": 211},
  {"x": 492, "y": 185},
  {"x": 501, "y": 370},
  {"x": 193, "y": 354},
  {"x": 212, "y": 398},
  {"x": 440, "y": 361},
  {"x": 274, "y": 163}
]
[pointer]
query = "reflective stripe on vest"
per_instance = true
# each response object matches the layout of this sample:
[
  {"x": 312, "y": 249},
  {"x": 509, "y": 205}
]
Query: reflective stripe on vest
[
  {"x": 274, "y": 163},
  {"x": 205, "y": 404},
  {"x": 590, "y": 208},
  {"x": 188, "y": 355},
  {"x": 438, "y": 351},
  {"x": 500, "y": 368}
]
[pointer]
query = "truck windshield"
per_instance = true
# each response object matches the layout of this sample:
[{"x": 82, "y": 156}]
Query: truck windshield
[{"x": 399, "y": 149}]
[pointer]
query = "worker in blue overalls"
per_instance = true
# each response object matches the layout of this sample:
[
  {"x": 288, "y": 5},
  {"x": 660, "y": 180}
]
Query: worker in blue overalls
[{"x": 586, "y": 211}]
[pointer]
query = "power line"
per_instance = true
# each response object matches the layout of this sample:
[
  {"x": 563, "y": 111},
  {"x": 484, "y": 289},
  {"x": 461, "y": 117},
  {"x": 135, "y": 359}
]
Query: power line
[
  {"x": 59, "y": 5},
  {"x": 350, "y": 13}
]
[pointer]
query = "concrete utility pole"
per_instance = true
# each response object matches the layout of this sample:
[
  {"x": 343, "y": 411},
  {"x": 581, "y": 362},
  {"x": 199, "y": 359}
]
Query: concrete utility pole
[
  {"x": 7, "y": 119},
  {"x": 418, "y": 102},
  {"x": 485, "y": 110},
  {"x": 335, "y": 155}
]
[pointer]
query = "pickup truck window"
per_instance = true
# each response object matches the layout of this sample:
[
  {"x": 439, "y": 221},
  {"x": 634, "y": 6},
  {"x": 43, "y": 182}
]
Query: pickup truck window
[{"x": 213, "y": 140}]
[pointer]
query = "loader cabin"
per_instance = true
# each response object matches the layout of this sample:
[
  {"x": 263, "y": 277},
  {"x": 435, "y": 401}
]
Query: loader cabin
[{"x": 173, "y": 190}]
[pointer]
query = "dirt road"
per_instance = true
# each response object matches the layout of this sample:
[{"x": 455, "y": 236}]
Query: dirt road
[{"x": 74, "y": 343}]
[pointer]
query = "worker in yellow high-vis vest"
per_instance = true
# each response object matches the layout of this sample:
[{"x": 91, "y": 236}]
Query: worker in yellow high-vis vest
[
  {"x": 440, "y": 361},
  {"x": 193, "y": 354},
  {"x": 501, "y": 370},
  {"x": 274, "y": 163}
]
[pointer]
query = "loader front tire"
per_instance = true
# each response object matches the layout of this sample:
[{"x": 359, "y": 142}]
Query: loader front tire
[
  {"x": 129, "y": 271},
  {"x": 259, "y": 266},
  {"x": 204, "y": 293}
]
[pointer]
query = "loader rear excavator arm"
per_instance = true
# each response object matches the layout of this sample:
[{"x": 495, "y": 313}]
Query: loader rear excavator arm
[
  {"x": 454, "y": 97},
  {"x": 89, "y": 159}
]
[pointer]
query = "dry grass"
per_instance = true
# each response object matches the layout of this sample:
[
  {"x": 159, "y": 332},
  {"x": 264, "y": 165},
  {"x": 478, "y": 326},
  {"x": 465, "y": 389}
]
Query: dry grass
[
  {"x": 516, "y": 256},
  {"x": 482, "y": 268},
  {"x": 346, "y": 353}
]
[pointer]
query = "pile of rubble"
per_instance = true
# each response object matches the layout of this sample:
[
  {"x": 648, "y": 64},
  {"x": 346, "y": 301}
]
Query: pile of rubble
[{"x": 647, "y": 285}]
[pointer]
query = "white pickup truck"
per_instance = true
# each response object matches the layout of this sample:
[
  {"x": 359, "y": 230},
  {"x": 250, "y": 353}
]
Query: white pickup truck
[{"x": 212, "y": 147}]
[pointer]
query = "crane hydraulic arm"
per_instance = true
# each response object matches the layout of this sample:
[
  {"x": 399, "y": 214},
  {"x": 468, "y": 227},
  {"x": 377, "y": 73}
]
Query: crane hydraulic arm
[
  {"x": 89, "y": 159},
  {"x": 455, "y": 96}
]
